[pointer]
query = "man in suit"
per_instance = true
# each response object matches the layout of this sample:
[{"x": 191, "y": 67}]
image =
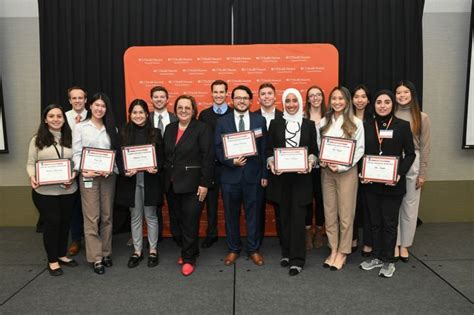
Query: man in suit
[
  {"x": 242, "y": 178},
  {"x": 266, "y": 99},
  {"x": 210, "y": 116},
  {"x": 161, "y": 117}
]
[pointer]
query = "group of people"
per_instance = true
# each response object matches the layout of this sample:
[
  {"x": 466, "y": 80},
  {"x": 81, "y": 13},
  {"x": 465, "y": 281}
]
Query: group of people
[{"x": 192, "y": 169}]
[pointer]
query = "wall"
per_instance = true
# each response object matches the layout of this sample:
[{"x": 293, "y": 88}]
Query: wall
[{"x": 448, "y": 195}]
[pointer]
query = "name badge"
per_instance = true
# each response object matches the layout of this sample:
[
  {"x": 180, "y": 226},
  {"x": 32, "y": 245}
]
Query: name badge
[
  {"x": 258, "y": 132},
  {"x": 386, "y": 134}
]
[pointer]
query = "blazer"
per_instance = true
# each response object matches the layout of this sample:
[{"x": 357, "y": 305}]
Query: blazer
[
  {"x": 278, "y": 113},
  {"x": 173, "y": 117},
  {"x": 254, "y": 170},
  {"x": 125, "y": 191},
  {"x": 302, "y": 183},
  {"x": 190, "y": 162},
  {"x": 401, "y": 145}
]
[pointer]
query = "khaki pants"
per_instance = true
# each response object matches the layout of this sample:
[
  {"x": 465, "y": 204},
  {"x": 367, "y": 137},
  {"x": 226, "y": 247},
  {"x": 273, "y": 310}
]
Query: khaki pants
[
  {"x": 97, "y": 208},
  {"x": 339, "y": 195}
]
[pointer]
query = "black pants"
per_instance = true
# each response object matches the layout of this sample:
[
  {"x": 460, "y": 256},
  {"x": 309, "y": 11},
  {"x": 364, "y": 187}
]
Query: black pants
[
  {"x": 318, "y": 201},
  {"x": 211, "y": 206},
  {"x": 187, "y": 210},
  {"x": 56, "y": 212},
  {"x": 276, "y": 210},
  {"x": 292, "y": 216},
  {"x": 175, "y": 228},
  {"x": 383, "y": 211},
  {"x": 362, "y": 218}
]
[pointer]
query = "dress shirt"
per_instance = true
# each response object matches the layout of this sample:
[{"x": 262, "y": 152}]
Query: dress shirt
[
  {"x": 223, "y": 108},
  {"x": 86, "y": 134},
  {"x": 246, "y": 120},
  {"x": 165, "y": 119},
  {"x": 71, "y": 117},
  {"x": 336, "y": 131},
  {"x": 268, "y": 116}
]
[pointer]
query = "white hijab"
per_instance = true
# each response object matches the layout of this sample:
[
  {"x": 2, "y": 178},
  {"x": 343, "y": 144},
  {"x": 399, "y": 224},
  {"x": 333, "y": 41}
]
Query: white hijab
[{"x": 298, "y": 117}]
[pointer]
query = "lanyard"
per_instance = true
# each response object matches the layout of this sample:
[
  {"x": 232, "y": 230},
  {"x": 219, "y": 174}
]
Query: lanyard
[{"x": 378, "y": 134}]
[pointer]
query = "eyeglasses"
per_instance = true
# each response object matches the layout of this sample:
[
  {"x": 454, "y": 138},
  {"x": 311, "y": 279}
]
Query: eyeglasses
[
  {"x": 315, "y": 95},
  {"x": 241, "y": 98}
]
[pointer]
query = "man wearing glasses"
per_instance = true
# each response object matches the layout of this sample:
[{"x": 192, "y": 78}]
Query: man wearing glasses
[{"x": 242, "y": 178}]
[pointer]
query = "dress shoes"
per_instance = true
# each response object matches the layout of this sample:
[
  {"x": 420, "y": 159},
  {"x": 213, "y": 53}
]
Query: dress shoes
[
  {"x": 295, "y": 270},
  {"x": 180, "y": 260},
  {"x": 70, "y": 263},
  {"x": 55, "y": 272},
  {"x": 107, "y": 261},
  {"x": 230, "y": 258},
  {"x": 153, "y": 260},
  {"x": 74, "y": 248},
  {"x": 209, "y": 241},
  {"x": 405, "y": 259},
  {"x": 284, "y": 262},
  {"x": 187, "y": 269},
  {"x": 365, "y": 254},
  {"x": 134, "y": 260},
  {"x": 99, "y": 268},
  {"x": 257, "y": 258}
]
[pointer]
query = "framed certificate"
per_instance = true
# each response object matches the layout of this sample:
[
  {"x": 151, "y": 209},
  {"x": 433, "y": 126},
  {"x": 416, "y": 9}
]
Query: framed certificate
[
  {"x": 97, "y": 160},
  {"x": 289, "y": 160},
  {"x": 239, "y": 144},
  {"x": 57, "y": 171},
  {"x": 139, "y": 157},
  {"x": 337, "y": 150},
  {"x": 380, "y": 169}
]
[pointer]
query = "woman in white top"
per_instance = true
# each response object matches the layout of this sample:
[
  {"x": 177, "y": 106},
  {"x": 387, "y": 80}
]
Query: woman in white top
[
  {"x": 340, "y": 182},
  {"x": 97, "y": 188}
]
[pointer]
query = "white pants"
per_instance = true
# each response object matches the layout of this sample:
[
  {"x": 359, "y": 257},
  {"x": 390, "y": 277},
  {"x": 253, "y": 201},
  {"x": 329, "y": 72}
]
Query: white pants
[
  {"x": 409, "y": 208},
  {"x": 136, "y": 214}
]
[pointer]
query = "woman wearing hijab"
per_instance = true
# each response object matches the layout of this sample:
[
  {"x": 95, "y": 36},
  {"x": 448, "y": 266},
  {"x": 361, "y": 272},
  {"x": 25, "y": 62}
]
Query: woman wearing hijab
[
  {"x": 386, "y": 135},
  {"x": 292, "y": 191}
]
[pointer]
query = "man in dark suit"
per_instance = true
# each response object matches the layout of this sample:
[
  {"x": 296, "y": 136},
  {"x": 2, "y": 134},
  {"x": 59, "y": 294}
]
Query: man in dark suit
[
  {"x": 210, "y": 116},
  {"x": 161, "y": 117},
  {"x": 242, "y": 178},
  {"x": 266, "y": 99}
]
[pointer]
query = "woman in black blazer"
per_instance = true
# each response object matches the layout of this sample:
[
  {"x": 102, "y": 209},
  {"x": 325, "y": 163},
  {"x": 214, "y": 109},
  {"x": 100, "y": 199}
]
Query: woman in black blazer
[
  {"x": 293, "y": 192},
  {"x": 386, "y": 135},
  {"x": 141, "y": 191},
  {"x": 189, "y": 167}
]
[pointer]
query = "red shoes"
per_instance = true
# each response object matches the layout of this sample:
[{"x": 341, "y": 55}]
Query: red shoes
[{"x": 187, "y": 269}]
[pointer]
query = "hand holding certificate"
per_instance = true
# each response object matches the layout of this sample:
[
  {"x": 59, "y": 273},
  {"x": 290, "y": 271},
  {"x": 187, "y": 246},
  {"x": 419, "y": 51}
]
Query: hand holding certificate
[
  {"x": 338, "y": 151},
  {"x": 291, "y": 160},
  {"x": 380, "y": 169},
  {"x": 239, "y": 144},
  {"x": 50, "y": 172},
  {"x": 97, "y": 160},
  {"x": 139, "y": 158}
]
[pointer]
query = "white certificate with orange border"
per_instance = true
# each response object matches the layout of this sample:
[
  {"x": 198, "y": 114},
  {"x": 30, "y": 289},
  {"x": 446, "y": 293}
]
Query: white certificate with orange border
[
  {"x": 139, "y": 157},
  {"x": 97, "y": 160},
  {"x": 380, "y": 169},
  {"x": 291, "y": 159},
  {"x": 338, "y": 151},
  {"x": 49, "y": 172},
  {"x": 239, "y": 144}
]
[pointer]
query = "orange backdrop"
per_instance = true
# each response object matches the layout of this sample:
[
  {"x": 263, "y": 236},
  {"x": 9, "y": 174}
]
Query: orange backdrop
[{"x": 192, "y": 69}]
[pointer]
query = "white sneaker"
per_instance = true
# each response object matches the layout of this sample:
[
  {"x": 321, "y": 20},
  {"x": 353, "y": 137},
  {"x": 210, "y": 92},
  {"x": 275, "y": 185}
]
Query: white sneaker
[
  {"x": 387, "y": 270},
  {"x": 371, "y": 264}
]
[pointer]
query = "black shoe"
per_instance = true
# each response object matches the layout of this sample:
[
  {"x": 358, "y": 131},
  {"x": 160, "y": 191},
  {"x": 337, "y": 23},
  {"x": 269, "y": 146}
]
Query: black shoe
[
  {"x": 55, "y": 272},
  {"x": 178, "y": 240},
  {"x": 134, "y": 260},
  {"x": 208, "y": 241},
  {"x": 405, "y": 259},
  {"x": 365, "y": 254},
  {"x": 354, "y": 249},
  {"x": 294, "y": 270},
  {"x": 153, "y": 260},
  {"x": 107, "y": 261},
  {"x": 284, "y": 262},
  {"x": 71, "y": 263},
  {"x": 99, "y": 268}
]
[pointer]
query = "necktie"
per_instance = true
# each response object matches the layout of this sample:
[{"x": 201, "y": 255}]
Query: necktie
[
  {"x": 241, "y": 123},
  {"x": 219, "y": 111},
  {"x": 78, "y": 119},
  {"x": 160, "y": 125}
]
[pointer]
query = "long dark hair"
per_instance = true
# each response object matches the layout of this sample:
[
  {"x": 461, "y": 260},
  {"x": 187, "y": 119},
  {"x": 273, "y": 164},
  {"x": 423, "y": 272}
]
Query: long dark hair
[
  {"x": 128, "y": 130},
  {"x": 348, "y": 126},
  {"x": 369, "y": 109},
  {"x": 307, "y": 109},
  {"x": 44, "y": 137},
  {"x": 414, "y": 105},
  {"x": 108, "y": 119}
]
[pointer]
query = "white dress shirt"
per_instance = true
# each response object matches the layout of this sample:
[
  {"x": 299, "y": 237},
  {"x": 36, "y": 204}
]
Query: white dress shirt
[
  {"x": 246, "y": 120},
  {"x": 86, "y": 134},
  {"x": 336, "y": 131},
  {"x": 268, "y": 116},
  {"x": 71, "y": 117},
  {"x": 165, "y": 119}
]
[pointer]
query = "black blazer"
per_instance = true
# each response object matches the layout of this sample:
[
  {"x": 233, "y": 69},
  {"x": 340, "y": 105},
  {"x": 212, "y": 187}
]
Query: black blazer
[
  {"x": 278, "y": 113},
  {"x": 401, "y": 142},
  {"x": 302, "y": 182},
  {"x": 173, "y": 117},
  {"x": 190, "y": 162},
  {"x": 125, "y": 188}
]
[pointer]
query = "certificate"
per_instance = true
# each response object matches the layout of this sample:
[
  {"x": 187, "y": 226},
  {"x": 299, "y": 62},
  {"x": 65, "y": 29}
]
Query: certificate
[
  {"x": 380, "y": 169},
  {"x": 291, "y": 159},
  {"x": 239, "y": 144},
  {"x": 139, "y": 157},
  {"x": 57, "y": 171},
  {"x": 337, "y": 150},
  {"x": 97, "y": 160}
]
